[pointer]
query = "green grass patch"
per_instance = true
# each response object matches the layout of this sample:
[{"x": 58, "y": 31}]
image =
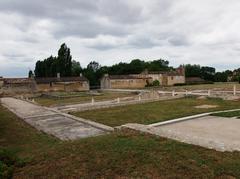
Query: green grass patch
[
  {"x": 228, "y": 114},
  {"x": 154, "y": 112},
  {"x": 120, "y": 154},
  {"x": 214, "y": 86}
]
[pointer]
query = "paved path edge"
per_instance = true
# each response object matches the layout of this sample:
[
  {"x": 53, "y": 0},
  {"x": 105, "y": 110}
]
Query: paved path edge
[
  {"x": 189, "y": 118},
  {"x": 85, "y": 121}
]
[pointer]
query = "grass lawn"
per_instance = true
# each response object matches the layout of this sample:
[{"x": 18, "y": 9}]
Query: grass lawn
[
  {"x": 154, "y": 112},
  {"x": 45, "y": 101},
  {"x": 219, "y": 85},
  {"x": 120, "y": 154},
  {"x": 228, "y": 114}
]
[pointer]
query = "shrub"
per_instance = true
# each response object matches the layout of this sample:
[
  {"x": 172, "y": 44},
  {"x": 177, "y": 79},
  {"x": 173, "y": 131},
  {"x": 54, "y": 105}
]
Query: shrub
[
  {"x": 156, "y": 83},
  {"x": 8, "y": 160}
]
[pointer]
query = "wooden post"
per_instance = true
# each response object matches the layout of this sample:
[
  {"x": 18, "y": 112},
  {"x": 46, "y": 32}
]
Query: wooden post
[
  {"x": 209, "y": 92},
  {"x": 234, "y": 90},
  {"x": 173, "y": 93},
  {"x": 92, "y": 101}
]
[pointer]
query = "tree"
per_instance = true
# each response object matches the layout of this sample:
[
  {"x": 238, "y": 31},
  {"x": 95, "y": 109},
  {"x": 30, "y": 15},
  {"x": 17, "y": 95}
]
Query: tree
[
  {"x": 64, "y": 60},
  {"x": 62, "y": 64},
  {"x": 76, "y": 68},
  {"x": 208, "y": 73},
  {"x": 192, "y": 70},
  {"x": 30, "y": 74},
  {"x": 91, "y": 73},
  {"x": 158, "y": 65},
  {"x": 221, "y": 77},
  {"x": 93, "y": 66},
  {"x": 136, "y": 66}
]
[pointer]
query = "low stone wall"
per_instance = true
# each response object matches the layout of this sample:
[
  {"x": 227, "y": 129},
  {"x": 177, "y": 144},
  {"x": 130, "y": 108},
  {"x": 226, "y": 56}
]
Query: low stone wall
[
  {"x": 128, "y": 83},
  {"x": 14, "y": 90},
  {"x": 78, "y": 86}
]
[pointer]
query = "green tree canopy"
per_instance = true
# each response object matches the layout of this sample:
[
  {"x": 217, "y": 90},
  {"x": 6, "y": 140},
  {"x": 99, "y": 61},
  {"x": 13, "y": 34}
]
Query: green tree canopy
[{"x": 50, "y": 66}]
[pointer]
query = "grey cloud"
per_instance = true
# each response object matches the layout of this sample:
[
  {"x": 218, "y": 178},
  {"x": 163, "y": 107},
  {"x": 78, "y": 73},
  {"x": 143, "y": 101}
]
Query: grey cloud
[
  {"x": 87, "y": 29},
  {"x": 120, "y": 28},
  {"x": 29, "y": 39},
  {"x": 120, "y": 11},
  {"x": 78, "y": 17},
  {"x": 13, "y": 54},
  {"x": 178, "y": 41},
  {"x": 102, "y": 46},
  {"x": 47, "y": 8},
  {"x": 143, "y": 42}
]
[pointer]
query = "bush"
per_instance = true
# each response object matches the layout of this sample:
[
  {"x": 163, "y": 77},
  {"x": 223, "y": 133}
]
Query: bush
[
  {"x": 8, "y": 160},
  {"x": 156, "y": 83},
  {"x": 5, "y": 170}
]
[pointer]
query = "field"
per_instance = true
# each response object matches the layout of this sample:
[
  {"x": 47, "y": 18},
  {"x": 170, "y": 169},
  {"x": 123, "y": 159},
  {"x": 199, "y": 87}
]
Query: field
[
  {"x": 120, "y": 154},
  {"x": 219, "y": 86},
  {"x": 154, "y": 112},
  {"x": 70, "y": 98}
]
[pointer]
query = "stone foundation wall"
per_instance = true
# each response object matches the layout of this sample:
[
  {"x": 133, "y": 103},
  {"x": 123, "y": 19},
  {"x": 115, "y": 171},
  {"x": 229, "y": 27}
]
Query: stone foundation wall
[
  {"x": 128, "y": 83},
  {"x": 78, "y": 86},
  {"x": 17, "y": 89}
]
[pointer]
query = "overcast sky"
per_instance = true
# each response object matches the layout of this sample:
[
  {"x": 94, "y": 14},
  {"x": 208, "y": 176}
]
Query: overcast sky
[{"x": 205, "y": 32}]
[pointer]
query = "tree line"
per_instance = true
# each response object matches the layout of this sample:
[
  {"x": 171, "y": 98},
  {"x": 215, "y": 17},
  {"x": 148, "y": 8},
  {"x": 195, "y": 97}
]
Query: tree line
[{"x": 67, "y": 67}]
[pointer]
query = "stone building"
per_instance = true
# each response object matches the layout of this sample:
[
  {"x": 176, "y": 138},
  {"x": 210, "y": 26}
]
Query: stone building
[
  {"x": 17, "y": 85},
  {"x": 169, "y": 78},
  {"x": 124, "y": 81},
  {"x": 30, "y": 85},
  {"x": 62, "y": 84}
]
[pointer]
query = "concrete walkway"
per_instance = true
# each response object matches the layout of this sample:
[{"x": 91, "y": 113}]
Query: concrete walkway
[
  {"x": 62, "y": 126},
  {"x": 219, "y": 133}
]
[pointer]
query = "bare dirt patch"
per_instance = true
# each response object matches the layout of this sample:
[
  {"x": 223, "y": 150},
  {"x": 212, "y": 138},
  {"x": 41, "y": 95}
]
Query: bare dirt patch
[{"x": 206, "y": 106}]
